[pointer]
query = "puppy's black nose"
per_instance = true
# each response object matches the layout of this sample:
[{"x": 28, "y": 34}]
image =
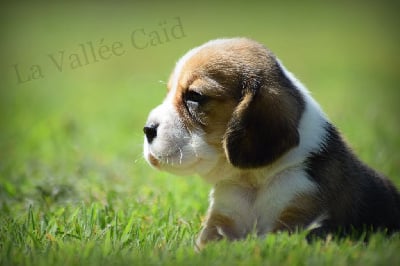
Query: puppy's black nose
[{"x": 151, "y": 132}]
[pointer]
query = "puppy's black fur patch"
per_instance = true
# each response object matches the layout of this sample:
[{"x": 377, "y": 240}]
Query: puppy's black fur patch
[{"x": 355, "y": 197}]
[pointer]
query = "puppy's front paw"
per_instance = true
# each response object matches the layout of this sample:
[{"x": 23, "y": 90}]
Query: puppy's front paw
[
  {"x": 206, "y": 235},
  {"x": 217, "y": 226}
]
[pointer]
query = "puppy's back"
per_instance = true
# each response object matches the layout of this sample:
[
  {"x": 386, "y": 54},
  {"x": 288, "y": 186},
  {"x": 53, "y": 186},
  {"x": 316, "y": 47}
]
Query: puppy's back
[{"x": 354, "y": 195}]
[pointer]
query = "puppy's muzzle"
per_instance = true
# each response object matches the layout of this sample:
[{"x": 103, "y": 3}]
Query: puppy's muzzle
[{"x": 150, "y": 130}]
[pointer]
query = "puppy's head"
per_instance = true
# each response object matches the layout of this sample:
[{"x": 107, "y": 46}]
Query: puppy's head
[{"x": 229, "y": 102}]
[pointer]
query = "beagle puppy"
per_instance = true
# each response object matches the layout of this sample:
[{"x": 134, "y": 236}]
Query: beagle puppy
[{"x": 235, "y": 116}]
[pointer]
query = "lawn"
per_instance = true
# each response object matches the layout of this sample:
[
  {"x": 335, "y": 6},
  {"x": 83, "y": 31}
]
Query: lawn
[{"x": 77, "y": 83}]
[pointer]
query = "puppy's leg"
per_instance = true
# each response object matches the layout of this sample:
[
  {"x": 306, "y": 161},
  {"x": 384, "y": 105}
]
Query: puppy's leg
[
  {"x": 216, "y": 227},
  {"x": 230, "y": 214}
]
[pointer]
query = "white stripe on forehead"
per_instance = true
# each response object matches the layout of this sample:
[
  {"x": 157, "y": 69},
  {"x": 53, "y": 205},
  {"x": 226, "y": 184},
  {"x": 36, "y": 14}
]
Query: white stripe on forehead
[
  {"x": 180, "y": 64},
  {"x": 178, "y": 69}
]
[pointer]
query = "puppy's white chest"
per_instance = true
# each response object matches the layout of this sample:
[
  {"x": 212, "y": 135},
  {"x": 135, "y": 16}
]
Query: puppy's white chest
[
  {"x": 273, "y": 198},
  {"x": 260, "y": 208}
]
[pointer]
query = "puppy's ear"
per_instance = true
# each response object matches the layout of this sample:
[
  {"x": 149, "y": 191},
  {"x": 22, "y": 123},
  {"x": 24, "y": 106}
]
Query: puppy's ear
[{"x": 264, "y": 124}]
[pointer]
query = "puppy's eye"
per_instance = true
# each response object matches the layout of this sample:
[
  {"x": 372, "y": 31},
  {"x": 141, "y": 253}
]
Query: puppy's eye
[{"x": 195, "y": 97}]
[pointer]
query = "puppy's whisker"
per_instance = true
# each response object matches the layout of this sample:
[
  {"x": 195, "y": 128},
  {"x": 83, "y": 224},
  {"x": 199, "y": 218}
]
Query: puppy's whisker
[
  {"x": 181, "y": 156},
  {"x": 190, "y": 133},
  {"x": 138, "y": 158},
  {"x": 195, "y": 150}
]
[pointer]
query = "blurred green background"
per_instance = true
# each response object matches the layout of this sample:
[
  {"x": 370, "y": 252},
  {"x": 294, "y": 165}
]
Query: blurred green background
[{"x": 76, "y": 134}]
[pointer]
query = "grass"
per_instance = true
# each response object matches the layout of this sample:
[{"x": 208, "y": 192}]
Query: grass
[{"x": 74, "y": 189}]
